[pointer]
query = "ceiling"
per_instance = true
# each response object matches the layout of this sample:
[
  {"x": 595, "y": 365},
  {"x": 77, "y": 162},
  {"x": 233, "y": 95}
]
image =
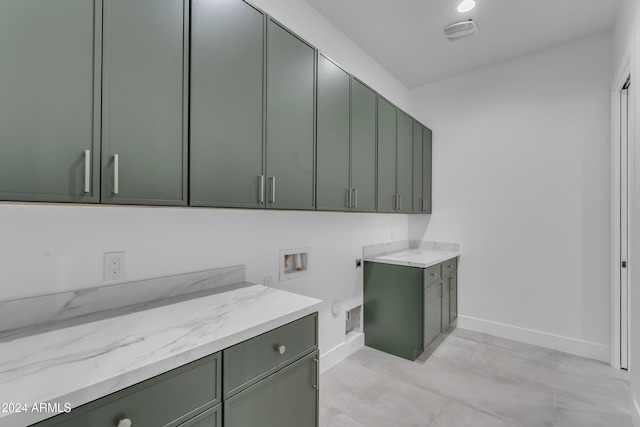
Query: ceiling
[{"x": 405, "y": 36}]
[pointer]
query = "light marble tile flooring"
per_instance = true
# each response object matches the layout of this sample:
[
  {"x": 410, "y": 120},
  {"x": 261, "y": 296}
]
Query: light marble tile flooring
[{"x": 476, "y": 380}]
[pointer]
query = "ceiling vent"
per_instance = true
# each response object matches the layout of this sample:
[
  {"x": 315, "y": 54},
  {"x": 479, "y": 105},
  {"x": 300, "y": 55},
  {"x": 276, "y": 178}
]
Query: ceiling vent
[{"x": 460, "y": 30}]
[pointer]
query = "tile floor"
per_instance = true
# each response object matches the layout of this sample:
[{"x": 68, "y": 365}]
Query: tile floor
[{"x": 476, "y": 380}]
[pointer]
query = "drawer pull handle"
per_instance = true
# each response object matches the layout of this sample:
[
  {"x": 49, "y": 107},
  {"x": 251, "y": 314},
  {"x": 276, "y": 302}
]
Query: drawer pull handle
[
  {"x": 434, "y": 274},
  {"x": 449, "y": 266},
  {"x": 125, "y": 423},
  {"x": 281, "y": 349}
]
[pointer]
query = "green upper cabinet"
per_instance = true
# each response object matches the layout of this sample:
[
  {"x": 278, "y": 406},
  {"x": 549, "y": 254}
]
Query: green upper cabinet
[
  {"x": 418, "y": 201},
  {"x": 427, "y": 160},
  {"x": 144, "y": 139},
  {"x": 227, "y": 100},
  {"x": 421, "y": 168},
  {"x": 333, "y": 165},
  {"x": 49, "y": 100},
  {"x": 387, "y": 124},
  {"x": 363, "y": 147},
  {"x": 404, "y": 167},
  {"x": 290, "y": 120}
]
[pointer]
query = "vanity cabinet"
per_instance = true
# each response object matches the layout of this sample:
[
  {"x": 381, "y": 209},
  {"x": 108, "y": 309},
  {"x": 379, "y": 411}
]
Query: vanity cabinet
[
  {"x": 144, "y": 102},
  {"x": 406, "y": 308},
  {"x": 50, "y": 100},
  {"x": 269, "y": 380}
]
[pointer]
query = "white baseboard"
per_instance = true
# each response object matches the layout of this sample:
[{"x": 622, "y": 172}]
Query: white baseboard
[
  {"x": 636, "y": 414},
  {"x": 556, "y": 342},
  {"x": 331, "y": 358}
]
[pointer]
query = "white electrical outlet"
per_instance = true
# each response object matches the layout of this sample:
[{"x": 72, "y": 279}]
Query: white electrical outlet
[
  {"x": 268, "y": 280},
  {"x": 113, "y": 265}
]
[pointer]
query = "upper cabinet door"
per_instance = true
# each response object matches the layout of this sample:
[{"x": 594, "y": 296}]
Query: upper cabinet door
[
  {"x": 418, "y": 200},
  {"x": 290, "y": 120},
  {"x": 143, "y": 102},
  {"x": 405, "y": 163},
  {"x": 227, "y": 98},
  {"x": 387, "y": 196},
  {"x": 49, "y": 100},
  {"x": 427, "y": 167},
  {"x": 332, "y": 138},
  {"x": 363, "y": 147}
]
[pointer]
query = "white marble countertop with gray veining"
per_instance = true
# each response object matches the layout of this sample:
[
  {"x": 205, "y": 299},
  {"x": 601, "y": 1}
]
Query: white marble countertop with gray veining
[
  {"x": 423, "y": 256},
  {"x": 83, "y": 361}
]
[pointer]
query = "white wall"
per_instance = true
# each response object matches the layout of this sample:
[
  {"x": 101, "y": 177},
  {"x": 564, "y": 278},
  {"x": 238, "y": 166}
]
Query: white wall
[
  {"x": 521, "y": 177},
  {"x": 626, "y": 48},
  {"x": 52, "y": 248}
]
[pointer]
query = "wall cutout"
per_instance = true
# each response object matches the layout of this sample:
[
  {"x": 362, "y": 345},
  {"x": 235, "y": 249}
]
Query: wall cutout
[
  {"x": 353, "y": 320},
  {"x": 294, "y": 263}
]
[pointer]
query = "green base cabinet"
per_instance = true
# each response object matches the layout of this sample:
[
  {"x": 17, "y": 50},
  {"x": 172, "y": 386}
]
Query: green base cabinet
[
  {"x": 288, "y": 398},
  {"x": 167, "y": 400},
  {"x": 406, "y": 308},
  {"x": 393, "y": 309}
]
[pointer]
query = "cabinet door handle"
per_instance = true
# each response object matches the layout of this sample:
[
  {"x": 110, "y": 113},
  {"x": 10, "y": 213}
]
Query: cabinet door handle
[
  {"x": 355, "y": 198},
  {"x": 116, "y": 174},
  {"x": 87, "y": 171},
  {"x": 124, "y": 423},
  {"x": 317, "y": 361},
  {"x": 261, "y": 190},
  {"x": 273, "y": 189},
  {"x": 424, "y": 205},
  {"x": 440, "y": 290},
  {"x": 281, "y": 349},
  {"x": 348, "y": 197},
  {"x": 399, "y": 202}
]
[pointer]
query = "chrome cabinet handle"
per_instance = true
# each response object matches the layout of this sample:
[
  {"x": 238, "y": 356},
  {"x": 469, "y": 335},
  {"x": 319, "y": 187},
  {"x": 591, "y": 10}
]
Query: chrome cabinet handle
[
  {"x": 87, "y": 171},
  {"x": 261, "y": 190},
  {"x": 440, "y": 290},
  {"x": 434, "y": 274},
  {"x": 273, "y": 189},
  {"x": 124, "y": 423},
  {"x": 424, "y": 205},
  {"x": 399, "y": 202},
  {"x": 348, "y": 197},
  {"x": 355, "y": 198},
  {"x": 116, "y": 174},
  {"x": 281, "y": 349},
  {"x": 315, "y": 386}
]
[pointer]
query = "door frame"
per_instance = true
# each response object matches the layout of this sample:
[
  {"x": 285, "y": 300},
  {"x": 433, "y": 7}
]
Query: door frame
[{"x": 626, "y": 70}]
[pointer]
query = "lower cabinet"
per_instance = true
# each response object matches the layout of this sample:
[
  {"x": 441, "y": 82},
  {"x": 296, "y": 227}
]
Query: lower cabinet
[
  {"x": 406, "y": 308},
  {"x": 270, "y": 380},
  {"x": 288, "y": 398}
]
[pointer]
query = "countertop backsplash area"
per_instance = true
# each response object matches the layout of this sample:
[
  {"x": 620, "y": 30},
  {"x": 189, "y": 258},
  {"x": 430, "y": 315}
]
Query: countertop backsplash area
[{"x": 27, "y": 312}]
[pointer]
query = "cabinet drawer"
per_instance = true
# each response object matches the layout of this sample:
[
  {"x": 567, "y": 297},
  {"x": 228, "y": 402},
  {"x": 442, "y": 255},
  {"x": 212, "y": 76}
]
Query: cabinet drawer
[
  {"x": 254, "y": 359},
  {"x": 431, "y": 274},
  {"x": 163, "y": 401},
  {"x": 449, "y": 266}
]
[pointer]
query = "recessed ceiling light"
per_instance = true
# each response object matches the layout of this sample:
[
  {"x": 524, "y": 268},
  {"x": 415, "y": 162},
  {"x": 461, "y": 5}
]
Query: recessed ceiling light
[{"x": 466, "y": 6}]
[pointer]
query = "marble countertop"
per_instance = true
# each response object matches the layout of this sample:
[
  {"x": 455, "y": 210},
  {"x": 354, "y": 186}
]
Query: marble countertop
[
  {"x": 81, "y": 361},
  {"x": 426, "y": 255}
]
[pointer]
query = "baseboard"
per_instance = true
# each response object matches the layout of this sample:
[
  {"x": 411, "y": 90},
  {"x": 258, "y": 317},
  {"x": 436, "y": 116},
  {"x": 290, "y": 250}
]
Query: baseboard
[
  {"x": 542, "y": 339},
  {"x": 636, "y": 414},
  {"x": 331, "y": 358}
]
